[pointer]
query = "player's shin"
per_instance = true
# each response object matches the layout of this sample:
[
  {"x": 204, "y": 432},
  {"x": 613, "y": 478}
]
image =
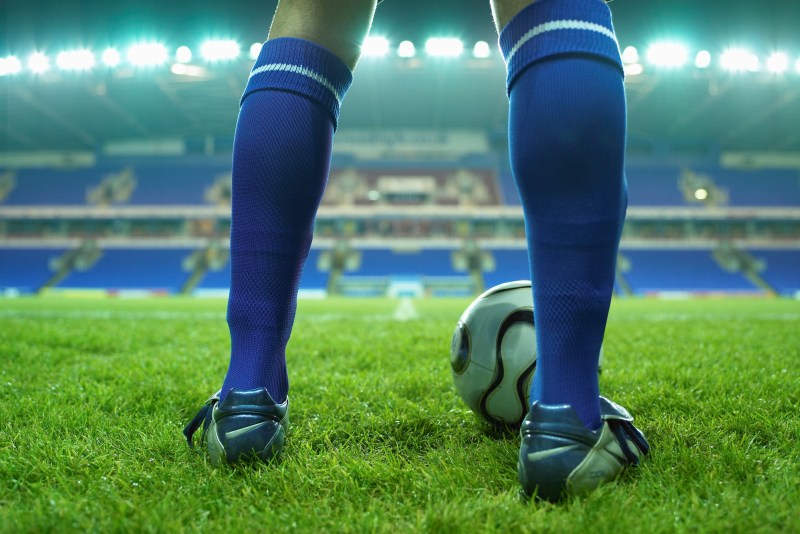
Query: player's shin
[
  {"x": 567, "y": 137},
  {"x": 281, "y": 160}
]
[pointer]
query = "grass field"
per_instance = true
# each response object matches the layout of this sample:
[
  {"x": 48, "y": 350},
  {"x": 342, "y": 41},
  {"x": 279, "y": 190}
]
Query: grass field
[{"x": 95, "y": 394}]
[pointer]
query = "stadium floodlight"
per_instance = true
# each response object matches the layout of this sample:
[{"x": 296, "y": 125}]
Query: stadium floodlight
[
  {"x": 701, "y": 194},
  {"x": 778, "y": 63},
  {"x": 703, "y": 59},
  {"x": 739, "y": 59},
  {"x": 255, "y": 50},
  {"x": 220, "y": 50},
  {"x": 633, "y": 69},
  {"x": 182, "y": 69},
  {"x": 147, "y": 54},
  {"x": 630, "y": 55},
  {"x": 375, "y": 46},
  {"x": 444, "y": 47},
  {"x": 183, "y": 54},
  {"x": 406, "y": 49},
  {"x": 75, "y": 60},
  {"x": 10, "y": 65},
  {"x": 38, "y": 63},
  {"x": 668, "y": 54},
  {"x": 111, "y": 57},
  {"x": 481, "y": 50}
]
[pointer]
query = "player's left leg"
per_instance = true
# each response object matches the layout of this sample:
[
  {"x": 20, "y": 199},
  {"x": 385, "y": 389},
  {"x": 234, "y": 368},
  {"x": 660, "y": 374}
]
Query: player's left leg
[
  {"x": 567, "y": 146},
  {"x": 281, "y": 159}
]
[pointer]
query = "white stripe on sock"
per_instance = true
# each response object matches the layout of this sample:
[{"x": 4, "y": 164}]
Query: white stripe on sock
[
  {"x": 555, "y": 25},
  {"x": 303, "y": 71}
]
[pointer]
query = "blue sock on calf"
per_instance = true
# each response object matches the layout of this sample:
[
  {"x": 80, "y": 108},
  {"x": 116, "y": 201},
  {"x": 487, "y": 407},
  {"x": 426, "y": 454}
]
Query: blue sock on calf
[
  {"x": 281, "y": 159},
  {"x": 567, "y": 147}
]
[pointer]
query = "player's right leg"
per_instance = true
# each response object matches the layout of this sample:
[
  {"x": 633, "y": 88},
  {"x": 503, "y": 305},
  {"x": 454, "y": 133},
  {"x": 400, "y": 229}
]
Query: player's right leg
[
  {"x": 281, "y": 159},
  {"x": 567, "y": 146}
]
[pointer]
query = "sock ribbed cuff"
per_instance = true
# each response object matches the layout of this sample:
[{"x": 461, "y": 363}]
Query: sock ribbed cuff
[
  {"x": 299, "y": 66},
  {"x": 553, "y": 27}
]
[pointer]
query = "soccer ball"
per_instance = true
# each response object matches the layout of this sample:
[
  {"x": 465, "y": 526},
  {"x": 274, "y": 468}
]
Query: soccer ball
[{"x": 493, "y": 353}]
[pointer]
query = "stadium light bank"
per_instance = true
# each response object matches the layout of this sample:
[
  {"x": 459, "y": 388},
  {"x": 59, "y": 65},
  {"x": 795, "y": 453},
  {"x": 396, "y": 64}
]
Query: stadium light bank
[{"x": 664, "y": 55}]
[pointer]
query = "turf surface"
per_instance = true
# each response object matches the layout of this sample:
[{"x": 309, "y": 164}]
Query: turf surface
[{"x": 95, "y": 394}]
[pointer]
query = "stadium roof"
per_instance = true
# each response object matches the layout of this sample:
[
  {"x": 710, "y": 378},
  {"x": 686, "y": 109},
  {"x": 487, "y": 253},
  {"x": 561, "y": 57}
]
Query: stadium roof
[
  {"x": 41, "y": 22},
  {"x": 78, "y": 111}
]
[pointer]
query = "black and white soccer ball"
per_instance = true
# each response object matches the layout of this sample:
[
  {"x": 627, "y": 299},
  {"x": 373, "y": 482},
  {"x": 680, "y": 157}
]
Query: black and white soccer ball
[{"x": 493, "y": 353}]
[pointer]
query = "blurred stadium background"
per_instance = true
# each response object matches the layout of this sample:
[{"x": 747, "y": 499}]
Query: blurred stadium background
[{"x": 115, "y": 160}]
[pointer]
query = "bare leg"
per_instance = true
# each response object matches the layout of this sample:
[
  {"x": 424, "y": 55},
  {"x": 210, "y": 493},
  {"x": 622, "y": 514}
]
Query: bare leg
[
  {"x": 340, "y": 25},
  {"x": 504, "y": 10}
]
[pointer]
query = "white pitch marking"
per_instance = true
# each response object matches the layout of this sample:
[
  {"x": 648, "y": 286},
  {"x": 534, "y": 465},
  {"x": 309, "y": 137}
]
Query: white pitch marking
[
  {"x": 98, "y": 314},
  {"x": 176, "y": 315},
  {"x": 657, "y": 317},
  {"x": 405, "y": 310}
]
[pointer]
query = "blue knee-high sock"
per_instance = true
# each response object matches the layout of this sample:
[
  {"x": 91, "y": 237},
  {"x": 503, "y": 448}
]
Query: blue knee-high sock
[
  {"x": 567, "y": 139},
  {"x": 281, "y": 159}
]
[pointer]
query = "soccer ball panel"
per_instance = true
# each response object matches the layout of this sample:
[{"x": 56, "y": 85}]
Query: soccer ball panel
[
  {"x": 493, "y": 351},
  {"x": 507, "y": 402}
]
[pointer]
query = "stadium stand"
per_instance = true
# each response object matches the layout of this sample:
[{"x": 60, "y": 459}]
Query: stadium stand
[
  {"x": 26, "y": 270},
  {"x": 410, "y": 187},
  {"x": 759, "y": 188},
  {"x": 405, "y": 272},
  {"x": 382, "y": 261},
  {"x": 155, "y": 269},
  {"x": 313, "y": 278},
  {"x": 654, "y": 187},
  {"x": 681, "y": 270},
  {"x": 658, "y": 186},
  {"x": 781, "y": 269},
  {"x": 173, "y": 182},
  {"x": 508, "y": 189},
  {"x": 48, "y": 187},
  {"x": 647, "y": 186},
  {"x": 509, "y": 264},
  {"x": 169, "y": 183},
  {"x": 165, "y": 186},
  {"x": 220, "y": 279},
  {"x": 199, "y": 182}
]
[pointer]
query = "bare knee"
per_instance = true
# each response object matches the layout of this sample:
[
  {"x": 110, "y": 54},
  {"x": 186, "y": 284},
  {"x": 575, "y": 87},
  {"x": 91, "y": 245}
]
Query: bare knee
[
  {"x": 339, "y": 26},
  {"x": 504, "y": 10}
]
